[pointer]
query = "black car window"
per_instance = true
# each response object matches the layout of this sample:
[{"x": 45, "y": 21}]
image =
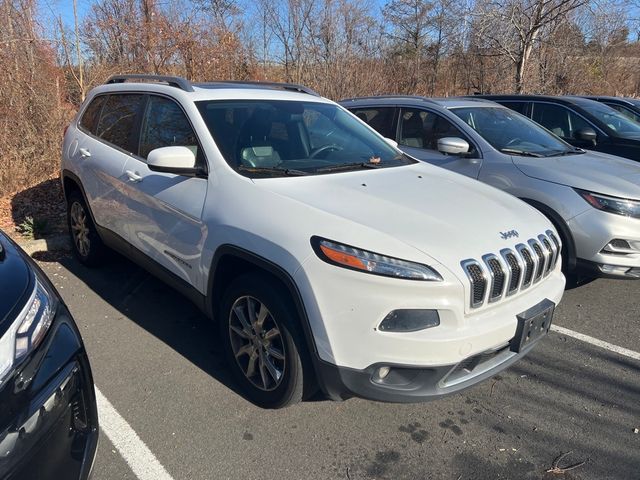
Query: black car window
[
  {"x": 380, "y": 119},
  {"x": 422, "y": 129},
  {"x": 520, "y": 107},
  {"x": 118, "y": 119},
  {"x": 91, "y": 115},
  {"x": 558, "y": 119},
  {"x": 165, "y": 125},
  {"x": 630, "y": 114}
]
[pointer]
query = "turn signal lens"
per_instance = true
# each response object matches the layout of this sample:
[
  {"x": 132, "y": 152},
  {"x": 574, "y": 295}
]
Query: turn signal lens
[{"x": 369, "y": 262}]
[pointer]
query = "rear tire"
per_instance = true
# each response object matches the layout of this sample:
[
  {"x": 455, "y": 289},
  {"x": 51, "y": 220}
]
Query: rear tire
[
  {"x": 262, "y": 341},
  {"x": 86, "y": 244}
]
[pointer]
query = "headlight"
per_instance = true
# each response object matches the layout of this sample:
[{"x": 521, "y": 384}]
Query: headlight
[
  {"x": 369, "y": 262},
  {"x": 28, "y": 330},
  {"x": 621, "y": 206}
]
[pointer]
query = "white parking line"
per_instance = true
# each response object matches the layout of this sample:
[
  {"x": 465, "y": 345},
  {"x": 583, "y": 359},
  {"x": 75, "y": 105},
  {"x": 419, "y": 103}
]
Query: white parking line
[
  {"x": 594, "y": 341},
  {"x": 144, "y": 464}
]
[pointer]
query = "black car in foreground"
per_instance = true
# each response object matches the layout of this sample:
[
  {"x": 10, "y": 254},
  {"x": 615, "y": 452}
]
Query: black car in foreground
[
  {"x": 48, "y": 415},
  {"x": 629, "y": 107},
  {"x": 579, "y": 121}
]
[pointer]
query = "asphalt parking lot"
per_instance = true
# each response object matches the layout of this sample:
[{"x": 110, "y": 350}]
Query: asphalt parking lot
[{"x": 156, "y": 361}]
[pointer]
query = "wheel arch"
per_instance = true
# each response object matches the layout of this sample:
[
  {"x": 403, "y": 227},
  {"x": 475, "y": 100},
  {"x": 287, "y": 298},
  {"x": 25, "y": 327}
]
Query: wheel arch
[
  {"x": 563, "y": 229},
  {"x": 230, "y": 261},
  {"x": 71, "y": 183}
]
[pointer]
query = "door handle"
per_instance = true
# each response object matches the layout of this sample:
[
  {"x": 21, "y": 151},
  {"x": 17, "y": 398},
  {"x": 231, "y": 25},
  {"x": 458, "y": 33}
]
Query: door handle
[
  {"x": 133, "y": 176},
  {"x": 84, "y": 153}
]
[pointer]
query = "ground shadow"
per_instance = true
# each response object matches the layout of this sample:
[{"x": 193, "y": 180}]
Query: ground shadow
[
  {"x": 44, "y": 204},
  {"x": 157, "y": 308}
]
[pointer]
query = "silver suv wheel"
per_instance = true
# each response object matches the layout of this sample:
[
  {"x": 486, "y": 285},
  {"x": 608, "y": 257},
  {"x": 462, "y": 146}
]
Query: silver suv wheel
[{"x": 257, "y": 343}]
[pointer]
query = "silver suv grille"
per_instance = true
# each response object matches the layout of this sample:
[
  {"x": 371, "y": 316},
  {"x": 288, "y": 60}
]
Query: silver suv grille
[{"x": 498, "y": 276}]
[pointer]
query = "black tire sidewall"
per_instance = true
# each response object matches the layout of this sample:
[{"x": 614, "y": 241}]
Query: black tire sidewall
[{"x": 275, "y": 299}]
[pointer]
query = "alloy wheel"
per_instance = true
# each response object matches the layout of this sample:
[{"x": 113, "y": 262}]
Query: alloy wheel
[
  {"x": 257, "y": 343},
  {"x": 80, "y": 229}
]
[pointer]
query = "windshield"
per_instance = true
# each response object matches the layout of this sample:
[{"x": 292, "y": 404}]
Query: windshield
[
  {"x": 621, "y": 125},
  {"x": 278, "y": 138},
  {"x": 513, "y": 133}
]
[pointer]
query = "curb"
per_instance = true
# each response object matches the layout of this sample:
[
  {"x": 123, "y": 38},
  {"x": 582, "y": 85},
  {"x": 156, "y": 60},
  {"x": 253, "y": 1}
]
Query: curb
[{"x": 50, "y": 244}]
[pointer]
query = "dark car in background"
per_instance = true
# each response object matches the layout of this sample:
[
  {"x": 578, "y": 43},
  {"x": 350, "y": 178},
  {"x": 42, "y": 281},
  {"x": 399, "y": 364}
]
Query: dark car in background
[
  {"x": 48, "y": 414},
  {"x": 582, "y": 122},
  {"x": 629, "y": 107}
]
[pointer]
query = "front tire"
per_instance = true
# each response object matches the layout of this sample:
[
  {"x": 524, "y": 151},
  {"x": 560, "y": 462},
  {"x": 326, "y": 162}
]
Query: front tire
[
  {"x": 86, "y": 243},
  {"x": 262, "y": 341}
]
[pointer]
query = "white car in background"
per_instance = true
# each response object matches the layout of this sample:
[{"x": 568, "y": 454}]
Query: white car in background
[{"x": 329, "y": 258}]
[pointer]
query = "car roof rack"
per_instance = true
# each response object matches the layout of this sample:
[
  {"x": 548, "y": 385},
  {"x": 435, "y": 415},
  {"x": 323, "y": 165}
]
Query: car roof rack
[
  {"x": 187, "y": 86},
  {"x": 294, "y": 87},
  {"x": 178, "y": 82},
  {"x": 390, "y": 97}
]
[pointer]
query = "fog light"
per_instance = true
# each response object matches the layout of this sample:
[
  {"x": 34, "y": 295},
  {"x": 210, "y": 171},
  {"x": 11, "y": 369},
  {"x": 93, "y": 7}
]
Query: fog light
[
  {"x": 614, "y": 269},
  {"x": 409, "y": 320},
  {"x": 618, "y": 246},
  {"x": 383, "y": 372}
]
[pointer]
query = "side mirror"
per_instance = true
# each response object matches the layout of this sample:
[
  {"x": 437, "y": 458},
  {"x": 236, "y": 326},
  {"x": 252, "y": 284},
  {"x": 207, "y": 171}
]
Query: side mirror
[
  {"x": 391, "y": 142},
  {"x": 178, "y": 160},
  {"x": 587, "y": 135},
  {"x": 453, "y": 146}
]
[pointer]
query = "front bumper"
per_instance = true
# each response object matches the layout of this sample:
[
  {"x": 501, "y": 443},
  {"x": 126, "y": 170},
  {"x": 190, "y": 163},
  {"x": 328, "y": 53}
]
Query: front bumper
[
  {"x": 49, "y": 422},
  {"x": 594, "y": 230},
  {"x": 408, "y": 384}
]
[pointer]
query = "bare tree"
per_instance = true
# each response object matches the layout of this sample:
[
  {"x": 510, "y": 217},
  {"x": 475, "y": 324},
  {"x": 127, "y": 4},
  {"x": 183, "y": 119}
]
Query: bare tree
[{"x": 513, "y": 27}]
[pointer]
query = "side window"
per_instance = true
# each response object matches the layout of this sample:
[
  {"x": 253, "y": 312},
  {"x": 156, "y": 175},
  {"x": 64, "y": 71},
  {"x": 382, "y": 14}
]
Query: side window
[
  {"x": 423, "y": 129},
  {"x": 631, "y": 115},
  {"x": 520, "y": 107},
  {"x": 165, "y": 125},
  {"x": 558, "y": 119},
  {"x": 118, "y": 119},
  {"x": 91, "y": 115},
  {"x": 380, "y": 119}
]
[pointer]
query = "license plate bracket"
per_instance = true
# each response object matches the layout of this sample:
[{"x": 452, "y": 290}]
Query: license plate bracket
[{"x": 533, "y": 324}]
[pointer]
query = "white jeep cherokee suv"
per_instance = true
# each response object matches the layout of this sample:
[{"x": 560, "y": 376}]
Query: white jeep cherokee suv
[{"x": 329, "y": 258}]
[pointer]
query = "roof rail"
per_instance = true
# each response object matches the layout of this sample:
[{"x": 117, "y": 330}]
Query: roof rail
[
  {"x": 389, "y": 97},
  {"x": 177, "y": 82},
  {"x": 247, "y": 83}
]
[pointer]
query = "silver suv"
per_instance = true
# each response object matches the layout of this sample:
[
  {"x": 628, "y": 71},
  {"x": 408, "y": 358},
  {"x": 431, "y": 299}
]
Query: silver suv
[{"x": 592, "y": 198}]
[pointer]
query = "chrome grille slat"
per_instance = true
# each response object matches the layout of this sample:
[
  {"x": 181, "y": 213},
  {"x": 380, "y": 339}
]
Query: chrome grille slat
[
  {"x": 550, "y": 254},
  {"x": 513, "y": 270},
  {"x": 529, "y": 264},
  {"x": 539, "y": 258},
  {"x": 497, "y": 277},
  {"x": 478, "y": 280}
]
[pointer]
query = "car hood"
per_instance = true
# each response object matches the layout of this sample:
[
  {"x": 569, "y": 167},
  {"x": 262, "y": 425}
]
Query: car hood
[
  {"x": 447, "y": 216},
  {"x": 14, "y": 281},
  {"x": 593, "y": 171}
]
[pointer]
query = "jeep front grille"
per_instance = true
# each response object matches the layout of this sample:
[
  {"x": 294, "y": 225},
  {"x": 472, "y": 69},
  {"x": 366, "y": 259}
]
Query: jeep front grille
[{"x": 514, "y": 270}]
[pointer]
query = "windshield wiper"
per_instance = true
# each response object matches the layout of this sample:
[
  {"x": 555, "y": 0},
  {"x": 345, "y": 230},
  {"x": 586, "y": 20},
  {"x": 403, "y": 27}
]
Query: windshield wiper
[
  {"x": 348, "y": 166},
  {"x": 521, "y": 152},
  {"x": 290, "y": 172}
]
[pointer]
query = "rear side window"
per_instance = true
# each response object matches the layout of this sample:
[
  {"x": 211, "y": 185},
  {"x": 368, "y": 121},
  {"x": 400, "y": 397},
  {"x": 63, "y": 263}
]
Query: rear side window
[
  {"x": 380, "y": 119},
  {"x": 560, "y": 120},
  {"x": 91, "y": 115},
  {"x": 520, "y": 107},
  {"x": 422, "y": 129},
  {"x": 165, "y": 125},
  {"x": 118, "y": 120}
]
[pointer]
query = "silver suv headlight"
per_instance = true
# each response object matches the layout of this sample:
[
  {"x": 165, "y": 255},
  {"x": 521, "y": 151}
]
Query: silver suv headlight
[
  {"x": 364, "y": 261},
  {"x": 621, "y": 206},
  {"x": 28, "y": 329}
]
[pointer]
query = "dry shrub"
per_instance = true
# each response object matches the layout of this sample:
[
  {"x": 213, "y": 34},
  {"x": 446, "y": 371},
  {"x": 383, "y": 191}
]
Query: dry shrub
[{"x": 31, "y": 112}]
